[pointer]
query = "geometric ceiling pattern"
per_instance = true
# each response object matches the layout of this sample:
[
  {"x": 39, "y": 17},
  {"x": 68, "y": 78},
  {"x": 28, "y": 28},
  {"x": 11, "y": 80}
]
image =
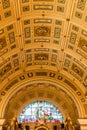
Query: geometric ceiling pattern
[{"x": 44, "y": 38}]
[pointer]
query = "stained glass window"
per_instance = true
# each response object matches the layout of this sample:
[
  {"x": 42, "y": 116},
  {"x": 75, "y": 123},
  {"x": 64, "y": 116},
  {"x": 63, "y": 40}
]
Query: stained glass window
[{"x": 36, "y": 110}]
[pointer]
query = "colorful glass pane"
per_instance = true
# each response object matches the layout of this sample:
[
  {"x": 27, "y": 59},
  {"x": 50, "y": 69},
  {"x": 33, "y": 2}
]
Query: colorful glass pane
[{"x": 36, "y": 110}]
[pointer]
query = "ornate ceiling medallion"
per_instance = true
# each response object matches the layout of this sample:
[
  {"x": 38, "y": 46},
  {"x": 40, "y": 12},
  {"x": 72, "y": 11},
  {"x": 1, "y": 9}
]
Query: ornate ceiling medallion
[{"x": 42, "y": 31}]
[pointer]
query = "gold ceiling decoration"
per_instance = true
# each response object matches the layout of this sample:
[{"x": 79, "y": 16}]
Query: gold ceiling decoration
[{"x": 44, "y": 39}]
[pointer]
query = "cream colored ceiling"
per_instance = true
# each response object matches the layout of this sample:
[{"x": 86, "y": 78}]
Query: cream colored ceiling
[{"x": 43, "y": 39}]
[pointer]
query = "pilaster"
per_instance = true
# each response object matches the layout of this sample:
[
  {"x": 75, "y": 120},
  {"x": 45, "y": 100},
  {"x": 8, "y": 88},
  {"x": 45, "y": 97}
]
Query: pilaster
[{"x": 83, "y": 124}]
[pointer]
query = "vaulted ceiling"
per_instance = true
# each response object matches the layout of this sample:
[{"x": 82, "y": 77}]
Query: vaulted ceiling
[{"x": 42, "y": 43}]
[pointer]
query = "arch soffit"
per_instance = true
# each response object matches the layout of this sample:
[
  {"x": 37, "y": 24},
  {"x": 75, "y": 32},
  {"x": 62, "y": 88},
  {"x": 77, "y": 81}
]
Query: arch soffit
[{"x": 48, "y": 84}]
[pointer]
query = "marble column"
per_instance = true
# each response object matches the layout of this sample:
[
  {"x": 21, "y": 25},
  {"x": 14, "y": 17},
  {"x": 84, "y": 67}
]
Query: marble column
[{"x": 83, "y": 124}]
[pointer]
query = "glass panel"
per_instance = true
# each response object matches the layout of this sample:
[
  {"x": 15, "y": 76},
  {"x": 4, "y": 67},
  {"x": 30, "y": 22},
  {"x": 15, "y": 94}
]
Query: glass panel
[{"x": 40, "y": 109}]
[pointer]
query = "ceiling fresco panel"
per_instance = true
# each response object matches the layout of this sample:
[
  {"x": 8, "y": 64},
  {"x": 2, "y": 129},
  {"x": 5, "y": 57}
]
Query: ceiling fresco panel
[
  {"x": 6, "y": 4},
  {"x": 42, "y": 31},
  {"x": 81, "y": 4},
  {"x": 83, "y": 44}
]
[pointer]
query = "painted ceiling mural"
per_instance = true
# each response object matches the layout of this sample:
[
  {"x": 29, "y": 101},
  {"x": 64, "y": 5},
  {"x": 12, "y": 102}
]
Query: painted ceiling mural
[{"x": 44, "y": 38}]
